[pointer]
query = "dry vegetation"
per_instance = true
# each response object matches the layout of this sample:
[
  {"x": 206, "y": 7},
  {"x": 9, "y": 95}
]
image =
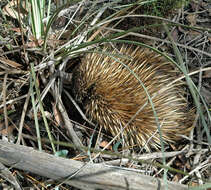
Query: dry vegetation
[{"x": 37, "y": 109}]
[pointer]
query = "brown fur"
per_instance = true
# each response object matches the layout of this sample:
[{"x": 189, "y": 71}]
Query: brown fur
[{"x": 112, "y": 95}]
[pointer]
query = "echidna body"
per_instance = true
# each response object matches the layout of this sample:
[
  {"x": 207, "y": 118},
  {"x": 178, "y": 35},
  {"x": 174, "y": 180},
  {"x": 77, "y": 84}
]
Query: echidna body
[{"x": 110, "y": 88}]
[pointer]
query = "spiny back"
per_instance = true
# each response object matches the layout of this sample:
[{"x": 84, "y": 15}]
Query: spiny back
[{"x": 112, "y": 95}]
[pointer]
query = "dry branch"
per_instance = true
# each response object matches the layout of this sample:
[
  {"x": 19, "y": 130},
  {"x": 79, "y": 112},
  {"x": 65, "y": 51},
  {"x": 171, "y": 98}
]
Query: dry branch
[{"x": 84, "y": 176}]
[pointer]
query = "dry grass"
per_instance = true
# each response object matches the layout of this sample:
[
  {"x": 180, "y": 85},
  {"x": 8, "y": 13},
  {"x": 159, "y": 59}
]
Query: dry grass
[{"x": 34, "y": 101}]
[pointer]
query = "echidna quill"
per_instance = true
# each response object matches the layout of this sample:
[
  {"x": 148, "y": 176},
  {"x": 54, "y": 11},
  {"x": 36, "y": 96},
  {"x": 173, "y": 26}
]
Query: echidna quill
[{"x": 111, "y": 95}]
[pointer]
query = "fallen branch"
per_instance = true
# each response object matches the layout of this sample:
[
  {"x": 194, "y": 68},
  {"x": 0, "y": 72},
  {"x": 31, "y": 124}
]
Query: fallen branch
[{"x": 78, "y": 174}]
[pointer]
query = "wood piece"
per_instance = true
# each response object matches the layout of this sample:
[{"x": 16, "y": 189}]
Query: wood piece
[{"x": 85, "y": 176}]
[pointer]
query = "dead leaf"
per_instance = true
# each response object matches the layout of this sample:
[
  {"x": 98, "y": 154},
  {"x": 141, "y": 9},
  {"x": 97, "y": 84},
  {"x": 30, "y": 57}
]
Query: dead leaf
[
  {"x": 35, "y": 43},
  {"x": 194, "y": 33},
  {"x": 4, "y": 131},
  {"x": 11, "y": 9},
  {"x": 18, "y": 30},
  {"x": 10, "y": 62},
  {"x": 207, "y": 74},
  {"x": 194, "y": 184},
  {"x": 174, "y": 34},
  {"x": 191, "y": 19},
  {"x": 57, "y": 116},
  {"x": 103, "y": 144},
  {"x": 177, "y": 177}
]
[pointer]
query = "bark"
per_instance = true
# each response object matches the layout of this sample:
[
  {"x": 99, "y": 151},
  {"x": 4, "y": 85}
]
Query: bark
[{"x": 78, "y": 174}]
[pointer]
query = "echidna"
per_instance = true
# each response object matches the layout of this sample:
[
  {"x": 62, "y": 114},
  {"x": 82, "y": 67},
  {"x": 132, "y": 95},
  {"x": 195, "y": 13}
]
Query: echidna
[{"x": 111, "y": 95}]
